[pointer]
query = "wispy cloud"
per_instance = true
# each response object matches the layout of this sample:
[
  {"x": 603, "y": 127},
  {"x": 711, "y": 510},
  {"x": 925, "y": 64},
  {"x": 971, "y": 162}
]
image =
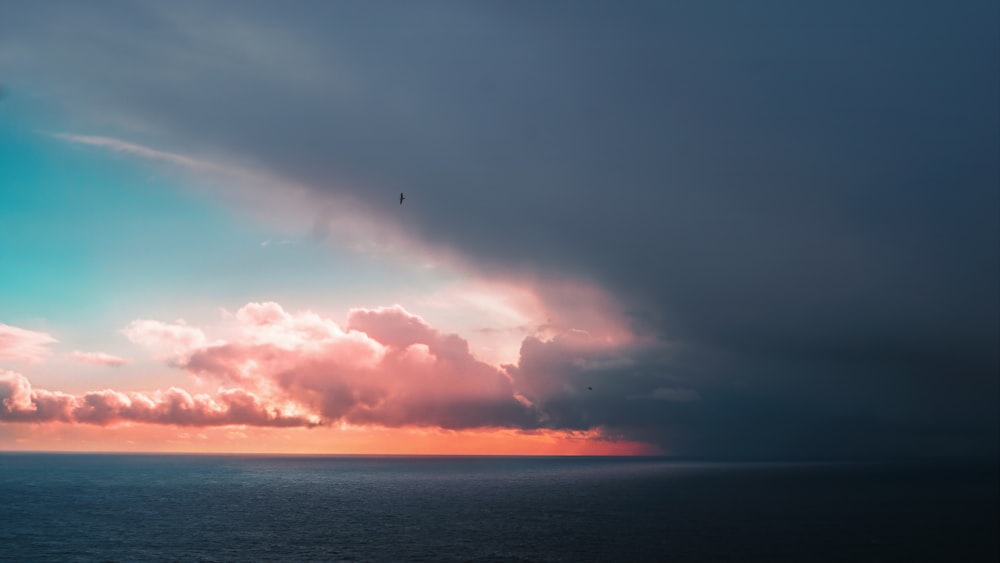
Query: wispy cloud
[
  {"x": 23, "y": 345},
  {"x": 118, "y": 145},
  {"x": 280, "y": 242},
  {"x": 275, "y": 199},
  {"x": 99, "y": 358}
]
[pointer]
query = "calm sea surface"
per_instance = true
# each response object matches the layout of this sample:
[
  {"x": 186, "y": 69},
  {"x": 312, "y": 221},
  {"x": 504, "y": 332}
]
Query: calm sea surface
[{"x": 71, "y": 507}]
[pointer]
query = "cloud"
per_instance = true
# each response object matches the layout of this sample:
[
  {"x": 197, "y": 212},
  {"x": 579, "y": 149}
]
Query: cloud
[
  {"x": 19, "y": 402},
  {"x": 167, "y": 341},
  {"x": 24, "y": 345},
  {"x": 386, "y": 367},
  {"x": 280, "y": 242},
  {"x": 99, "y": 358},
  {"x": 118, "y": 145},
  {"x": 578, "y": 381}
]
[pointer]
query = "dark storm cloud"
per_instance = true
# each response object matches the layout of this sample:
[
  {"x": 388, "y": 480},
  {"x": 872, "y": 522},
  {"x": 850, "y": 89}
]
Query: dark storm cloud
[{"x": 805, "y": 197}]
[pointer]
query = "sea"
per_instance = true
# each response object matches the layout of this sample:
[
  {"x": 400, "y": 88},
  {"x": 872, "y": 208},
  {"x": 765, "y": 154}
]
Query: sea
[{"x": 111, "y": 507}]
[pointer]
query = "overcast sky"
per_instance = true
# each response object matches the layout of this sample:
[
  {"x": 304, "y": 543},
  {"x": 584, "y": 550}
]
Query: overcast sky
[{"x": 707, "y": 228}]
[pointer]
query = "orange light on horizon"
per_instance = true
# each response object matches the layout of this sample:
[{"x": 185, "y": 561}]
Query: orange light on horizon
[{"x": 346, "y": 440}]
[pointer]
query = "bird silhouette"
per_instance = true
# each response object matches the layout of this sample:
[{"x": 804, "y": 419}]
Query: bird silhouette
[{"x": 401, "y": 198}]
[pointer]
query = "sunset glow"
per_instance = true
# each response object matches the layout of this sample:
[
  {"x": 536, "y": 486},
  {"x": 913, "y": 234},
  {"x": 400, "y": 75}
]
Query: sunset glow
[{"x": 144, "y": 438}]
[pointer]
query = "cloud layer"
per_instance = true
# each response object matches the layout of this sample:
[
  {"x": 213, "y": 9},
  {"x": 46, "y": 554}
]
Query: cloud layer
[
  {"x": 19, "y": 402},
  {"x": 385, "y": 367}
]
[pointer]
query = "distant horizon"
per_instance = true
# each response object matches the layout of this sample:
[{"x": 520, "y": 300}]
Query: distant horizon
[{"x": 982, "y": 460}]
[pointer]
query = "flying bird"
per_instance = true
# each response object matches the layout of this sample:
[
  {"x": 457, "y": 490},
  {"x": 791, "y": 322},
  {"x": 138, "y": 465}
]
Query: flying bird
[{"x": 401, "y": 198}]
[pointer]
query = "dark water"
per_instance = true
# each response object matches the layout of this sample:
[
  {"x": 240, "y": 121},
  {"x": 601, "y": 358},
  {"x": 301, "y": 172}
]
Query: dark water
[{"x": 242, "y": 508}]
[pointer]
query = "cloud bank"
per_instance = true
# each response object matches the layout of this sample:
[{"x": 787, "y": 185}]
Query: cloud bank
[
  {"x": 385, "y": 367},
  {"x": 19, "y": 402}
]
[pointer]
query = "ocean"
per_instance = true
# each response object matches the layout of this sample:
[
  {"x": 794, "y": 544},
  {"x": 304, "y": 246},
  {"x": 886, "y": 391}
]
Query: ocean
[{"x": 110, "y": 507}]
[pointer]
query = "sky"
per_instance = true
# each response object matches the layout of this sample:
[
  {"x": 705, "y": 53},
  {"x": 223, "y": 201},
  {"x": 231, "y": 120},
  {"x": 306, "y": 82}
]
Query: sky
[{"x": 705, "y": 229}]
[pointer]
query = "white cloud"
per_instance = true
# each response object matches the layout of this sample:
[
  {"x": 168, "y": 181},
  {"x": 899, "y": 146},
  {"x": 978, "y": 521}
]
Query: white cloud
[
  {"x": 166, "y": 341},
  {"x": 99, "y": 358}
]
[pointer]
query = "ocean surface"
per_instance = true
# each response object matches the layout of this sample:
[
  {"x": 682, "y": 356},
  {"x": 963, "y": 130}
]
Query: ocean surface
[{"x": 103, "y": 507}]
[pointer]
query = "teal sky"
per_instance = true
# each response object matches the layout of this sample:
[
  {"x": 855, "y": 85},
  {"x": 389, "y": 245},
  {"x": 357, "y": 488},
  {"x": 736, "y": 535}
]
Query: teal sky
[{"x": 94, "y": 239}]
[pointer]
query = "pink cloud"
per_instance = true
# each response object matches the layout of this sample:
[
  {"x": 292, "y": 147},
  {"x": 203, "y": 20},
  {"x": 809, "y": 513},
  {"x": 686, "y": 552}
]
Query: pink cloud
[
  {"x": 388, "y": 367},
  {"x": 19, "y": 402},
  {"x": 23, "y": 345},
  {"x": 269, "y": 324},
  {"x": 99, "y": 358},
  {"x": 166, "y": 341},
  {"x": 383, "y": 367},
  {"x": 496, "y": 315}
]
